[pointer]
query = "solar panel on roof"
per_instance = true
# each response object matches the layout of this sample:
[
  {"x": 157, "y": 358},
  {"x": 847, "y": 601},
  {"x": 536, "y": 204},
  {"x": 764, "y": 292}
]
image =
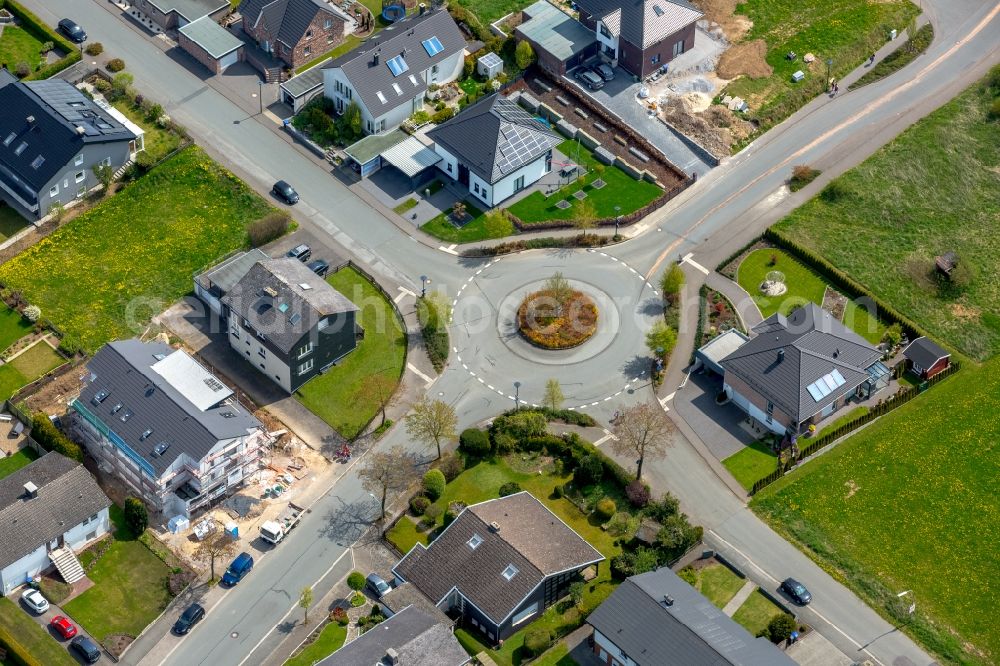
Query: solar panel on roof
[
  {"x": 397, "y": 65},
  {"x": 432, "y": 46}
]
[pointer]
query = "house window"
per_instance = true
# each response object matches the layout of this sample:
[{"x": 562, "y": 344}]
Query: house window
[
  {"x": 307, "y": 366},
  {"x": 10, "y": 138},
  {"x": 655, "y": 59},
  {"x": 329, "y": 40},
  {"x": 449, "y": 167},
  {"x": 235, "y": 331},
  {"x": 54, "y": 190},
  {"x": 309, "y": 34},
  {"x": 262, "y": 353},
  {"x": 80, "y": 176},
  {"x": 328, "y": 24},
  {"x": 80, "y": 191},
  {"x": 525, "y": 614},
  {"x": 91, "y": 536},
  {"x": 604, "y": 31},
  {"x": 678, "y": 48},
  {"x": 307, "y": 51},
  {"x": 770, "y": 407},
  {"x": 510, "y": 572},
  {"x": 475, "y": 188},
  {"x": 306, "y": 349},
  {"x": 475, "y": 541},
  {"x": 519, "y": 184},
  {"x": 79, "y": 160}
]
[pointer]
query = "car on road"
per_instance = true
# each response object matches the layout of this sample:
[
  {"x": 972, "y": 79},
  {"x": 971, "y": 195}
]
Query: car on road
[
  {"x": 34, "y": 600},
  {"x": 589, "y": 79},
  {"x": 300, "y": 252},
  {"x": 796, "y": 590},
  {"x": 285, "y": 192},
  {"x": 72, "y": 30},
  {"x": 378, "y": 586},
  {"x": 320, "y": 267},
  {"x": 238, "y": 570},
  {"x": 190, "y": 617},
  {"x": 62, "y": 625},
  {"x": 604, "y": 71},
  {"x": 87, "y": 649}
]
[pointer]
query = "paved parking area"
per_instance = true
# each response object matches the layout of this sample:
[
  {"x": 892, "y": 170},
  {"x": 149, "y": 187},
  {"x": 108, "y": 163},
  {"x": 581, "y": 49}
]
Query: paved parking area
[
  {"x": 716, "y": 425},
  {"x": 46, "y": 617}
]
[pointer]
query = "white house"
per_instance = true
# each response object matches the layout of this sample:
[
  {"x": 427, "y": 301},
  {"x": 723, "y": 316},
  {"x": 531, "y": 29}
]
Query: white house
[
  {"x": 48, "y": 510},
  {"x": 495, "y": 148},
  {"x": 389, "y": 75}
]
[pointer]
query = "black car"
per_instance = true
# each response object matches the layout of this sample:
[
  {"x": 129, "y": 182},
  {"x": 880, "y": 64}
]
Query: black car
[
  {"x": 72, "y": 30},
  {"x": 285, "y": 192},
  {"x": 86, "y": 648},
  {"x": 797, "y": 591},
  {"x": 190, "y": 617},
  {"x": 320, "y": 267},
  {"x": 300, "y": 252}
]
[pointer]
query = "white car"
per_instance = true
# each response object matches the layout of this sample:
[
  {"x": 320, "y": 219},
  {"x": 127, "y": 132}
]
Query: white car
[{"x": 35, "y": 601}]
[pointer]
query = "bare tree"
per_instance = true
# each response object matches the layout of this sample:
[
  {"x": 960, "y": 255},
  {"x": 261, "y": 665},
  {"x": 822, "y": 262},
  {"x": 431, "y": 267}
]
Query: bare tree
[
  {"x": 432, "y": 421},
  {"x": 215, "y": 545},
  {"x": 386, "y": 472},
  {"x": 553, "y": 397},
  {"x": 379, "y": 389},
  {"x": 642, "y": 430}
]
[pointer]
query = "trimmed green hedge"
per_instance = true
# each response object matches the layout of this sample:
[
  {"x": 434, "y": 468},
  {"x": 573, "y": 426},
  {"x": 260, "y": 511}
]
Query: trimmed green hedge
[
  {"x": 16, "y": 653},
  {"x": 50, "y": 438},
  {"x": 434, "y": 328},
  {"x": 44, "y": 33}
]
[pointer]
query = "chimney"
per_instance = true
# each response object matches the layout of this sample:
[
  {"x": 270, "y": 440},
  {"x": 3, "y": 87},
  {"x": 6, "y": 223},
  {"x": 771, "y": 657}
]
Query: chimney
[
  {"x": 81, "y": 130},
  {"x": 781, "y": 355},
  {"x": 375, "y": 58},
  {"x": 31, "y": 490},
  {"x": 423, "y": 8},
  {"x": 391, "y": 657},
  {"x": 30, "y": 120},
  {"x": 668, "y": 600},
  {"x": 836, "y": 352},
  {"x": 495, "y": 527}
]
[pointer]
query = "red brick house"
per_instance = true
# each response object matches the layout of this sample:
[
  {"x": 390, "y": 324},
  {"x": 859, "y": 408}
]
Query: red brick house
[
  {"x": 641, "y": 36},
  {"x": 293, "y": 31}
]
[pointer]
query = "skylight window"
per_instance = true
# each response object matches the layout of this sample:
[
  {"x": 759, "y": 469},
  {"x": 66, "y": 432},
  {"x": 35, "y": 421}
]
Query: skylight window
[
  {"x": 397, "y": 65},
  {"x": 395, "y": 86},
  {"x": 145, "y": 435},
  {"x": 475, "y": 541},
  {"x": 432, "y": 46},
  {"x": 116, "y": 408},
  {"x": 160, "y": 449},
  {"x": 826, "y": 384},
  {"x": 510, "y": 572},
  {"x": 37, "y": 162},
  {"x": 381, "y": 97},
  {"x": 20, "y": 148},
  {"x": 10, "y": 138},
  {"x": 658, "y": 10},
  {"x": 413, "y": 80},
  {"x": 126, "y": 415}
]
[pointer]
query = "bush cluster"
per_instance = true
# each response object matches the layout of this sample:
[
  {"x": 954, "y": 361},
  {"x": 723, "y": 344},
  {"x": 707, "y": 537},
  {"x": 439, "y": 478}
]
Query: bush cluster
[
  {"x": 589, "y": 470},
  {"x": 605, "y": 509},
  {"x": 452, "y": 465},
  {"x": 419, "y": 504},
  {"x": 434, "y": 483},
  {"x": 136, "y": 516},
  {"x": 443, "y": 115},
  {"x": 510, "y": 488},
  {"x": 94, "y": 49},
  {"x": 638, "y": 493},
  {"x": 433, "y": 314},
  {"x": 115, "y": 65},
  {"x": 50, "y": 438},
  {"x": 272, "y": 226},
  {"x": 537, "y": 641},
  {"x": 576, "y": 240},
  {"x": 356, "y": 580},
  {"x": 779, "y": 628},
  {"x": 474, "y": 442}
]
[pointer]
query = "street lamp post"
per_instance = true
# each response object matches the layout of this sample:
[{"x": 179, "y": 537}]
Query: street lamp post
[
  {"x": 423, "y": 285},
  {"x": 913, "y": 606},
  {"x": 517, "y": 396},
  {"x": 829, "y": 64},
  {"x": 618, "y": 218},
  {"x": 260, "y": 95}
]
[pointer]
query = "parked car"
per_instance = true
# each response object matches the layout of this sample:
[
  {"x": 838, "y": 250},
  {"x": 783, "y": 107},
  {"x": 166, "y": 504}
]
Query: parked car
[
  {"x": 72, "y": 30},
  {"x": 34, "y": 600},
  {"x": 604, "y": 71},
  {"x": 65, "y": 628},
  {"x": 300, "y": 252},
  {"x": 190, "y": 617},
  {"x": 589, "y": 79},
  {"x": 378, "y": 586},
  {"x": 285, "y": 192},
  {"x": 320, "y": 267},
  {"x": 796, "y": 590},
  {"x": 238, "y": 570},
  {"x": 87, "y": 649}
]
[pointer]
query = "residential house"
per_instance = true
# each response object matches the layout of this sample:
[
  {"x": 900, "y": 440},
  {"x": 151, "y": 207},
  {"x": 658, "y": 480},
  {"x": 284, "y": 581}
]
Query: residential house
[
  {"x": 48, "y": 509},
  {"x": 494, "y": 148},
  {"x": 216, "y": 282},
  {"x": 165, "y": 426},
  {"x": 798, "y": 370},
  {"x": 388, "y": 75},
  {"x": 171, "y": 14},
  {"x": 404, "y": 596},
  {"x": 499, "y": 564},
  {"x": 657, "y": 619},
  {"x": 293, "y": 31},
  {"x": 926, "y": 358},
  {"x": 51, "y": 138},
  {"x": 641, "y": 36},
  {"x": 560, "y": 42},
  {"x": 289, "y": 322},
  {"x": 411, "y": 637}
]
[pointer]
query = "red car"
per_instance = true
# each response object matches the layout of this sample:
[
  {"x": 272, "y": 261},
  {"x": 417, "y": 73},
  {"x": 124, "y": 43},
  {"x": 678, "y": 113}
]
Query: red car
[{"x": 65, "y": 628}]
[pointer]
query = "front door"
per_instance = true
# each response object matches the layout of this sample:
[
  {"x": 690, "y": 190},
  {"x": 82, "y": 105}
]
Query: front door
[
  {"x": 55, "y": 544},
  {"x": 463, "y": 174}
]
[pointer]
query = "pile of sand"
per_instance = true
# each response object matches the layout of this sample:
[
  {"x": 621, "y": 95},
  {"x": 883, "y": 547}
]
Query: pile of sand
[
  {"x": 745, "y": 59},
  {"x": 722, "y": 13}
]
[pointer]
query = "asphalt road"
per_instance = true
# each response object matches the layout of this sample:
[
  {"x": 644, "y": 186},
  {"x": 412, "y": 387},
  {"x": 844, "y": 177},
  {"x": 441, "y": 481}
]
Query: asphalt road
[{"x": 731, "y": 204}]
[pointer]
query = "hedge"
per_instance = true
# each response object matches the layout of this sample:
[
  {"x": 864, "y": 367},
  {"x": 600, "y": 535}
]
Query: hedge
[
  {"x": 17, "y": 654},
  {"x": 41, "y": 30},
  {"x": 434, "y": 329},
  {"x": 50, "y": 438}
]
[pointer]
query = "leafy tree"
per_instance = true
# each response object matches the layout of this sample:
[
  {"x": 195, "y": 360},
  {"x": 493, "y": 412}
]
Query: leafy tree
[
  {"x": 510, "y": 488},
  {"x": 356, "y": 580},
  {"x": 661, "y": 336},
  {"x": 378, "y": 389},
  {"x": 589, "y": 469},
  {"x": 584, "y": 214},
  {"x": 434, "y": 483},
  {"x": 474, "y": 442},
  {"x": 352, "y": 119},
  {"x": 386, "y": 472},
  {"x": 305, "y": 601},
  {"x": 121, "y": 84},
  {"x": 432, "y": 421},
  {"x": 136, "y": 516},
  {"x": 893, "y": 334},
  {"x": 672, "y": 281},
  {"x": 105, "y": 174},
  {"x": 32, "y": 313},
  {"x": 780, "y": 628},
  {"x": 642, "y": 430},
  {"x": 559, "y": 287},
  {"x": 576, "y": 592},
  {"x": 215, "y": 545},
  {"x": 524, "y": 55},
  {"x": 553, "y": 397},
  {"x": 497, "y": 224}
]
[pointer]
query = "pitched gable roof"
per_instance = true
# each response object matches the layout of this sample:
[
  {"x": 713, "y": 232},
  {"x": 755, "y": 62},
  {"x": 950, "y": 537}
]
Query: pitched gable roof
[
  {"x": 67, "y": 495},
  {"x": 925, "y": 352},
  {"x": 788, "y": 354},
  {"x": 286, "y": 20},
  {"x": 530, "y": 538},
  {"x": 643, "y": 22},
  {"x": 495, "y": 137},
  {"x": 404, "y": 38},
  {"x": 418, "y": 638}
]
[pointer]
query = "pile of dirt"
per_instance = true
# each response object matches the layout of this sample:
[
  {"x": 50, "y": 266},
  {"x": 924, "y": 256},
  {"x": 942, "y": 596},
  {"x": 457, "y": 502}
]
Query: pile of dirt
[
  {"x": 745, "y": 59},
  {"x": 716, "y": 128},
  {"x": 723, "y": 14}
]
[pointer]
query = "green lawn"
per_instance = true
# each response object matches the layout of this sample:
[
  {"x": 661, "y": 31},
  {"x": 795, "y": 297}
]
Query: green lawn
[
  {"x": 488, "y": 11},
  {"x": 27, "y": 367},
  {"x": 756, "y": 612},
  {"x": 751, "y": 463},
  {"x": 557, "y": 656},
  {"x": 36, "y": 641},
  {"x": 130, "y": 587},
  {"x": 333, "y": 396},
  {"x": 330, "y": 639},
  {"x": 133, "y": 255},
  {"x": 933, "y": 189},
  {"x": 13, "y": 327},
  {"x": 718, "y": 583},
  {"x": 846, "y": 31},
  {"x": 803, "y": 286},
  {"x": 473, "y": 230},
  {"x": 16, "y": 461},
  {"x": 405, "y": 206},
  {"x": 910, "y": 503},
  {"x": 18, "y": 45},
  {"x": 11, "y": 222},
  {"x": 157, "y": 141},
  {"x": 844, "y": 419},
  {"x": 622, "y": 190}
]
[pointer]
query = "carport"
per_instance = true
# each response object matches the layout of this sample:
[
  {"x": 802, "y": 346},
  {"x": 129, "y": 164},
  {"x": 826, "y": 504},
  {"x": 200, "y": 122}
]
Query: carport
[
  {"x": 718, "y": 348},
  {"x": 366, "y": 154},
  {"x": 411, "y": 157}
]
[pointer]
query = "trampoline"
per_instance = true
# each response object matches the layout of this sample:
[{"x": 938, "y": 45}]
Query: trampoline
[{"x": 393, "y": 10}]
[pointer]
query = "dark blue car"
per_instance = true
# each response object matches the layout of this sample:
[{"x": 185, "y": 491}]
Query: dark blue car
[{"x": 240, "y": 567}]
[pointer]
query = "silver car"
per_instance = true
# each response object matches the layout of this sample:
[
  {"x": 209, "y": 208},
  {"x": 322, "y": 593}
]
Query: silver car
[
  {"x": 604, "y": 71},
  {"x": 34, "y": 600},
  {"x": 589, "y": 79}
]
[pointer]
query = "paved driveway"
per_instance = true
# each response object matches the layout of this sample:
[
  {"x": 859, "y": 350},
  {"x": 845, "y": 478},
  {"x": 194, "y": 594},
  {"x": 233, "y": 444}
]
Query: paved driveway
[
  {"x": 717, "y": 425},
  {"x": 46, "y": 617}
]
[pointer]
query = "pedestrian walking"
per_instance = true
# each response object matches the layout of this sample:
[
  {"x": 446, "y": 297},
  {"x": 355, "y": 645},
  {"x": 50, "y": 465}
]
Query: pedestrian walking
[
  {"x": 871, "y": 59},
  {"x": 836, "y": 87}
]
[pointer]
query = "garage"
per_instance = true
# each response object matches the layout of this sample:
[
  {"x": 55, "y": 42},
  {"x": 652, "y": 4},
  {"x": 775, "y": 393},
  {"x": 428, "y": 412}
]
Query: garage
[{"x": 210, "y": 44}]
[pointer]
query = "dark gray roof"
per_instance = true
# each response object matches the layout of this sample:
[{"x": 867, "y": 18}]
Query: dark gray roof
[
  {"x": 418, "y": 638},
  {"x": 67, "y": 494},
  {"x": 191, "y": 10},
  {"x": 284, "y": 299},
  {"x": 495, "y": 137},
  {"x": 62, "y": 120},
  {"x": 308, "y": 80},
  {"x": 404, "y": 38},
  {"x": 644, "y": 22},
  {"x": 924, "y": 352},
  {"x": 406, "y": 595},
  {"x": 814, "y": 344},
  {"x": 226, "y": 274},
  {"x": 286, "y": 20},
  {"x": 690, "y": 631},
  {"x": 531, "y": 538},
  {"x": 174, "y": 396}
]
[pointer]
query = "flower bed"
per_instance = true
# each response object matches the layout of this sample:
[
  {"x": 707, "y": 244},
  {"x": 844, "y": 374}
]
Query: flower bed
[{"x": 557, "y": 321}]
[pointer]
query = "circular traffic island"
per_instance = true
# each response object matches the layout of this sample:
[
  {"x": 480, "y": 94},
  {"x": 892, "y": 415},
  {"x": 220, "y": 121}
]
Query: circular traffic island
[{"x": 557, "y": 318}]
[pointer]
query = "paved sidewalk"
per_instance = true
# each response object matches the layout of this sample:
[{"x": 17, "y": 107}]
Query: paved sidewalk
[
  {"x": 746, "y": 308},
  {"x": 741, "y": 596}
]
